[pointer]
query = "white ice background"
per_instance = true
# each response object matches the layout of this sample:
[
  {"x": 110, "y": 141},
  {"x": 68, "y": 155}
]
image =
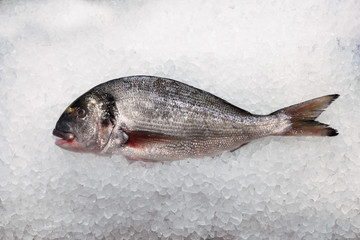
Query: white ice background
[{"x": 258, "y": 55}]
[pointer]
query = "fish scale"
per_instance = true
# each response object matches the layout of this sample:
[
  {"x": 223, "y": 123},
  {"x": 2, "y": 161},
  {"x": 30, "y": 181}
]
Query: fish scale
[{"x": 159, "y": 119}]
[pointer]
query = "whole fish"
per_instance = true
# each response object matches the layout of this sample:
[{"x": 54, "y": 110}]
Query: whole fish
[{"x": 157, "y": 119}]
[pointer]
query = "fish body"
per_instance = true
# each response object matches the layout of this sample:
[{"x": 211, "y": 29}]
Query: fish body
[{"x": 160, "y": 119}]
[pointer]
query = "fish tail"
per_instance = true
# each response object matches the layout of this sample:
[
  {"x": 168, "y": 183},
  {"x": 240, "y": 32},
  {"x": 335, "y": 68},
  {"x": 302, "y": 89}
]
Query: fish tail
[{"x": 303, "y": 115}]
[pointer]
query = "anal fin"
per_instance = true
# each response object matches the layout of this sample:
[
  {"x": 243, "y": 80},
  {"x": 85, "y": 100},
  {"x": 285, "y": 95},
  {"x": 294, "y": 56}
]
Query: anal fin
[{"x": 243, "y": 144}]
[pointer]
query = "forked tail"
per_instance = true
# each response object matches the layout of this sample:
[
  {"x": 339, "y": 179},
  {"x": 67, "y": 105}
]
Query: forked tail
[{"x": 303, "y": 115}]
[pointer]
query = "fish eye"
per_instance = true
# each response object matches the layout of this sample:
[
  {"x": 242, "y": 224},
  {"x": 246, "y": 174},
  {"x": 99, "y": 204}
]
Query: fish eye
[{"x": 79, "y": 113}]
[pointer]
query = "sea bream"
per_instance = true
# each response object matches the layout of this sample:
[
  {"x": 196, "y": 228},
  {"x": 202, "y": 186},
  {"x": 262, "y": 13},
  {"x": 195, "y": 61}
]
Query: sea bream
[{"x": 158, "y": 119}]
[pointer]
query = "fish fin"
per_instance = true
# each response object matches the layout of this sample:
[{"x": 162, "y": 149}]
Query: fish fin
[
  {"x": 137, "y": 139},
  {"x": 132, "y": 160},
  {"x": 243, "y": 144},
  {"x": 118, "y": 138},
  {"x": 303, "y": 117}
]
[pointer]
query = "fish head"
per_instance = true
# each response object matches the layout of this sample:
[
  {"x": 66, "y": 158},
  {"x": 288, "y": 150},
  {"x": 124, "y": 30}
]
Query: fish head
[{"x": 86, "y": 125}]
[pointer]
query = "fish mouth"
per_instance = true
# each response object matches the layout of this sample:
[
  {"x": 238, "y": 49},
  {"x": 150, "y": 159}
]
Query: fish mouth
[{"x": 65, "y": 137}]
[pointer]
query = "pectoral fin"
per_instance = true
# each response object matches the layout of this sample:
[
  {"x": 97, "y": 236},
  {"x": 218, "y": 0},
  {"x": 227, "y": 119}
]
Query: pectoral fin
[
  {"x": 117, "y": 139},
  {"x": 138, "y": 139}
]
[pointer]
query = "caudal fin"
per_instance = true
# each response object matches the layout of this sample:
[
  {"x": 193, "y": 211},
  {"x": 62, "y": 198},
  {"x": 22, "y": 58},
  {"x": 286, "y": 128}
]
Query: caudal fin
[{"x": 303, "y": 117}]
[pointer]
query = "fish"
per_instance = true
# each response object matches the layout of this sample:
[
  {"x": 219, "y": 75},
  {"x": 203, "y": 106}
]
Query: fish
[{"x": 151, "y": 118}]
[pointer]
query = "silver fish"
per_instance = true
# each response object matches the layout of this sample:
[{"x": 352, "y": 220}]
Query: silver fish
[{"x": 157, "y": 119}]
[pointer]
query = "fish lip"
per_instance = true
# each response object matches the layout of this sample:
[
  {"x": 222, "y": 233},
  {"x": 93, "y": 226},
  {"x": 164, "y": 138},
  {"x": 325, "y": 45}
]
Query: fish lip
[{"x": 65, "y": 136}]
